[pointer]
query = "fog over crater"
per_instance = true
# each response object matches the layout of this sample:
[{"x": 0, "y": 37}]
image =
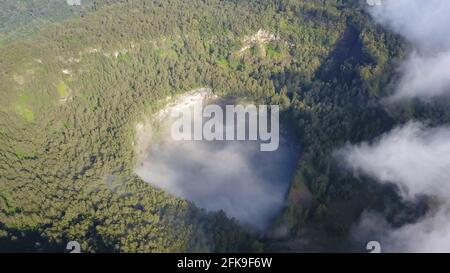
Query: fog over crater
[{"x": 233, "y": 176}]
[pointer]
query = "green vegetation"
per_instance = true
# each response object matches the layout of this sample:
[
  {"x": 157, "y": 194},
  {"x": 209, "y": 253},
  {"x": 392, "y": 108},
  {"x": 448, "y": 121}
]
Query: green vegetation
[
  {"x": 62, "y": 90},
  {"x": 273, "y": 52},
  {"x": 76, "y": 182},
  {"x": 24, "y": 112}
]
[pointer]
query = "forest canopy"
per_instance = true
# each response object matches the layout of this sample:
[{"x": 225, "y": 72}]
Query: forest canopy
[{"x": 73, "y": 89}]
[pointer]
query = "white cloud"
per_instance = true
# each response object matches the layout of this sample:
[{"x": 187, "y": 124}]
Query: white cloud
[
  {"x": 424, "y": 76},
  {"x": 414, "y": 157},
  {"x": 426, "y": 25},
  {"x": 417, "y": 159},
  {"x": 233, "y": 176}
]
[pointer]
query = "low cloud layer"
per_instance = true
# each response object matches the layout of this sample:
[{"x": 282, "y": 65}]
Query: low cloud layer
[
  {"x": 417, "y": 160},
  {"x": 233, "y": 176},
  {"x": 414, "y": 157},
  {"x": 425, "y": 24}
]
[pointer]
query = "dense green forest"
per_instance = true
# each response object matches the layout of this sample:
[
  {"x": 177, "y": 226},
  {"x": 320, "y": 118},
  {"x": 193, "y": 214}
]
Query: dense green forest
[{"x": 73, "y": 90}]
